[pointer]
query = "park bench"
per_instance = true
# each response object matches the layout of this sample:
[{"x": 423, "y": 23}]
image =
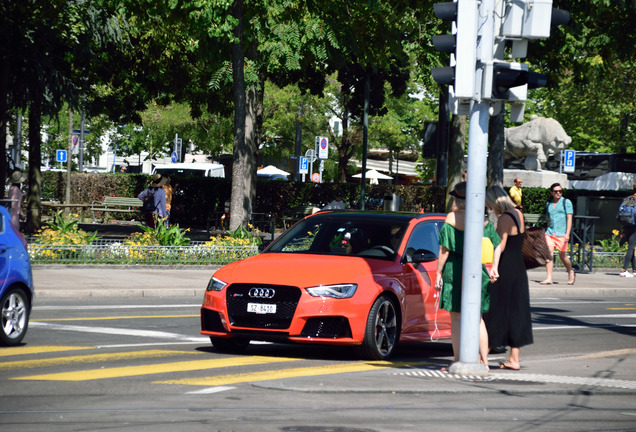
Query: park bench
[
  {"x": 534, "y": 219},
  {"x": 116, "y": 205},
  {"x": 297, "y": 213}
]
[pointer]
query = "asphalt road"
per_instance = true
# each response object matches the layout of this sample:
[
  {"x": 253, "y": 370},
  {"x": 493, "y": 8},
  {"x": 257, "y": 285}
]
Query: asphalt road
[{"x": 140, "y": 364}]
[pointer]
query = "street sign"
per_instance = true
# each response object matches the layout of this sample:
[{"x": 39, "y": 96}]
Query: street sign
[
  {"x": 75, "y": 144},
  {"x": 174, "y": 157},
  {"x": 60, "y": 156},
  {"x": 569, "y": 157},
  {"x": 315, "y": 177},
  {"x": 303, "y": 165},
  {"x": 323, "y": 147}
]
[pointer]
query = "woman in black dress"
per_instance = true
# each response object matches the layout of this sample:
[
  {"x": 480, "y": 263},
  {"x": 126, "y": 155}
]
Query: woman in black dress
[{"x": 509, "y": 322}]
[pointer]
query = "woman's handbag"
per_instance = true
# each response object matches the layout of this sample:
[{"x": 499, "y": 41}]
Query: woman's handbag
[{"x": 534, "y": 249}]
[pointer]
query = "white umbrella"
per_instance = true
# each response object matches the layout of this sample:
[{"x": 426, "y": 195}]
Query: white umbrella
[
  {"x": 373, "y": 174},
  {"x": 271, "y": 169}
]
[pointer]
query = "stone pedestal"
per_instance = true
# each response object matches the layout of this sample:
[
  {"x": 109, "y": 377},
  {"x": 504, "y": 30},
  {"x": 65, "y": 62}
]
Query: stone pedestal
[{"x": 542, "y": 179}]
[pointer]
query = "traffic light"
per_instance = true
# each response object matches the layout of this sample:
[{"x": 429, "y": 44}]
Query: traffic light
[
  {"x": 529, "y": 20},
  {"x": 522, "y": 20},
  {"x": 461, "y": 43}
]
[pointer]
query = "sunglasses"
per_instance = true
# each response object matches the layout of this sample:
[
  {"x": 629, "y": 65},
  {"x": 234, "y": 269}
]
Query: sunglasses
[{"x": 558, "y": 191}]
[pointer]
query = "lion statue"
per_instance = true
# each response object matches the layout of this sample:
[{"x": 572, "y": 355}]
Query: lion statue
[{"x": 535, "y": 141}]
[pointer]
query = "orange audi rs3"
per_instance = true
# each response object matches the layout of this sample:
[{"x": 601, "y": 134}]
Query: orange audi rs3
[{"x": 363, "y": 279}]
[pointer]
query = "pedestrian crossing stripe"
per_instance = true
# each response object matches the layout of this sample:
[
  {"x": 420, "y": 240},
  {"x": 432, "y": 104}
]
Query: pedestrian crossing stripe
[
  {"x": 128, "y": 371},
  {"x": 6, "y": 352},
  {"x": 92, "y": 358},
  {"x": 116, "y": 318},
  {"x": 224, "y": 380}
]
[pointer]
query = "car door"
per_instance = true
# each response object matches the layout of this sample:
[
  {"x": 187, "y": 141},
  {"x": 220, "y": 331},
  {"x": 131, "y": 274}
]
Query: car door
[
  {"x": 422, "y": 313},
  {"x": 5, "y": 252}
]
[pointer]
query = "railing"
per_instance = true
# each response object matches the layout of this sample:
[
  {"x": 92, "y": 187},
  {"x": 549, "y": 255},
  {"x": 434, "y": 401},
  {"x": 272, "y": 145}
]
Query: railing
[{"x": 112, "y": 252}]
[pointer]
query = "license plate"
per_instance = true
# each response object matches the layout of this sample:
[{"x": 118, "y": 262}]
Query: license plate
[{"x": 261, "y": 308}]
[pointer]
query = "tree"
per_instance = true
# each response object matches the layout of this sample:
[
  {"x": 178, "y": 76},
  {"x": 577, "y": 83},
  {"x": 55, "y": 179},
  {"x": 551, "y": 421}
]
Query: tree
[{"x": 590, "y": 63}]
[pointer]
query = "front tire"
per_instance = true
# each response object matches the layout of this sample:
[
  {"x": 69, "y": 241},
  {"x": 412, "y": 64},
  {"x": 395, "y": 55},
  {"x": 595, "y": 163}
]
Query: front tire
[
  {"x": 14, "y": 318},
  {"x": 382, "y": 331},
  {"x": 229, "y": 345}
]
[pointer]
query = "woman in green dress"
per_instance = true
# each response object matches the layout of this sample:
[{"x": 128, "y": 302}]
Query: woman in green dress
[{"x": 449, "y": 270}]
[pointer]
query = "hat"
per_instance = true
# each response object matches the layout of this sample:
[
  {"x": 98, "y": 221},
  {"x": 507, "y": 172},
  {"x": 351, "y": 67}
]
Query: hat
[
  {"x": 459, "y": 191},
  {"x": 158, "y": 180},
  {"x": 18, "y": 177}
]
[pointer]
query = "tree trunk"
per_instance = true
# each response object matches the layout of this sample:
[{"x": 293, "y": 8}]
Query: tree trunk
[
  {"x": 456, "y": 154},
  {"x": 251, "y": 130},
  {"x": 239, "y": 200},
  {"x": 496, "y": 148},
  {"x": 34, "y": 212}
]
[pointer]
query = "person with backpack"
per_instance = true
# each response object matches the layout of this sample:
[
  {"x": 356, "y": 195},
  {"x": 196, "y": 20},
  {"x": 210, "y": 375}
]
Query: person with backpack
[
  {"x": 627, "y": 217},
  {"x": 560, "y": 215},
  {"x": 154, "y": 201}
]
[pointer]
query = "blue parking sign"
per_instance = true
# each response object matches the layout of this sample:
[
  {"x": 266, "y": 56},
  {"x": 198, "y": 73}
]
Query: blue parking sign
[
  {"x": 60, "y": 156},
  {"x": 569, "y": 157},
  {"x": 304, "y": 165}
]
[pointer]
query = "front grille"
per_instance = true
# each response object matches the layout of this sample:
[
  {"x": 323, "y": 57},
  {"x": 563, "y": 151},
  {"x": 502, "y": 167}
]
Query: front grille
[
  {"x": 327, "y": 327},
  {"x": 211, "y": 321},
  {"x": 285, "y": 298}
]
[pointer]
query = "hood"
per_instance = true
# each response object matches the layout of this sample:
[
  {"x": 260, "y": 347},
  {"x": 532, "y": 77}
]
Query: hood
[{"x": 299, "y": 270}]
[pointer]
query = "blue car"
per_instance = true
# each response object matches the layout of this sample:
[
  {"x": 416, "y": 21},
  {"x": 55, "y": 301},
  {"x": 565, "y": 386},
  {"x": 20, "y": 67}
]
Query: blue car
[{"x": 16, "y": 282}]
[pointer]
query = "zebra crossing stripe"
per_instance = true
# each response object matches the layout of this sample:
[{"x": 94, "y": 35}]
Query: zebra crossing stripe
[
  {"x": 128, "y": 371},
  {"x": 92, "y": 358}
]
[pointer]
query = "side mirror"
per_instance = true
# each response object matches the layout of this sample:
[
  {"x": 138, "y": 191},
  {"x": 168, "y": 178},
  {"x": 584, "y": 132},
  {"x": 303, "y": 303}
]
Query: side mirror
[{"x": 420, "y": 256}]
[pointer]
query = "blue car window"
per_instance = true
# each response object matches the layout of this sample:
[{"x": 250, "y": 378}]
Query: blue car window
[{"x": 425, "y": 236}]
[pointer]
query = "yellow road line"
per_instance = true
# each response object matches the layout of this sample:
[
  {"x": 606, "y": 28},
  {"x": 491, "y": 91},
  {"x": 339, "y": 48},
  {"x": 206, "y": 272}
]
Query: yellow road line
[
  {"x": 128, "y": 371},
  {"x": 38, "y": 350},
  {"x": 609, "y": 353},
  {"x": 115, "y": 318},
  {"x": 94, "y": 358},
  {"x": 222, "y": 380}
]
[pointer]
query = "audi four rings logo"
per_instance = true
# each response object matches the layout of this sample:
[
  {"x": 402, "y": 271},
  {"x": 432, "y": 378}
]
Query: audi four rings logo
[{"x": 266, "y": 293}]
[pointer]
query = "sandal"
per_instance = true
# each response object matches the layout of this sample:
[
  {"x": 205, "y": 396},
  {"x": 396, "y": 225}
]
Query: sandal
[{"x": 572, "y": 279}]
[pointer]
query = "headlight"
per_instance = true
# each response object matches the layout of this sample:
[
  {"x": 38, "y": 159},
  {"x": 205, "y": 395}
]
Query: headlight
[
  {"x": 215, "y": 285},
  {"x": 336, "y": 291}
]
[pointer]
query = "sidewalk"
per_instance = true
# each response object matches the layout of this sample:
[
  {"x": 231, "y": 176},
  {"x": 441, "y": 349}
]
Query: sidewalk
[{"x": 60, "y": 281}]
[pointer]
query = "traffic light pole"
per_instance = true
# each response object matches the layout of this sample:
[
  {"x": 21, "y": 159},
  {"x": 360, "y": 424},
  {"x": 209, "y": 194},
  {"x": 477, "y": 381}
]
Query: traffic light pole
[{"x": 475, "y": 205}]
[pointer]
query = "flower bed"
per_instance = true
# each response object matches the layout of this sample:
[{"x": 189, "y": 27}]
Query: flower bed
[{"x": 122, "y": 253}]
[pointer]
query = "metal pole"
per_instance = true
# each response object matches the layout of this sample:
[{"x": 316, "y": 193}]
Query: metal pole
[
  {"x": 475, "y": 205},
  {"x": 365, "y": 134},
  {"x": 80, "y": 163}
]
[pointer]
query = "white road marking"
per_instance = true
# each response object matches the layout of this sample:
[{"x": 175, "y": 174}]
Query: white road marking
[
  {"x": 211, "y": 390},
  {"x": 117, "y": 331},
  {"x": 109, "y": 307}
]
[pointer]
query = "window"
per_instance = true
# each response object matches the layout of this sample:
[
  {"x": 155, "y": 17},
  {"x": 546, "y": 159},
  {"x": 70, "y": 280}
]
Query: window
[{"x": 425, "y": 236}]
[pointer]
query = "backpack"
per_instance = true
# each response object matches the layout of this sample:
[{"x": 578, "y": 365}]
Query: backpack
[
  {"x": 626, "y": 211},
  {"x": 148, "y": 205}
]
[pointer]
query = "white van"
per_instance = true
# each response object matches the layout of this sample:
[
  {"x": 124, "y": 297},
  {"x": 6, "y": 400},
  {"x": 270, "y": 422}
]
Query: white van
[{"x": 190, "y": 169}]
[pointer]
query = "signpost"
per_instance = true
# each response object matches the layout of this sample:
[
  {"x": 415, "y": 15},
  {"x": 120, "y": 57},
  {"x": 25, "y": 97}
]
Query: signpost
[
  {"x": 310, "y": 155},
  {"x": 303, "y": 166},
  {"x": 60, "y": 156},
  {"x": 568, "y": 159}
]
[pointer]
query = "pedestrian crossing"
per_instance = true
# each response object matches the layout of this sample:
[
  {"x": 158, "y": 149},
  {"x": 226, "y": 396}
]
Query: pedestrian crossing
[{"x": 89, "y": 364}]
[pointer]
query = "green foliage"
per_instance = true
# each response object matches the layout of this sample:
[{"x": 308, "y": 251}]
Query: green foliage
[
  {"x": 64, "y": 231},
  {"x": 167, "y": 236},
  {"x": 241, "y": 233},
  {"x": 613, "y": 243}
]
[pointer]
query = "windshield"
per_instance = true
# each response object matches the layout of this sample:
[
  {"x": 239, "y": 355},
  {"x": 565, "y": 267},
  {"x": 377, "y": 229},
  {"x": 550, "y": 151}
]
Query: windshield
[{"x": 343, "y": 234}]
